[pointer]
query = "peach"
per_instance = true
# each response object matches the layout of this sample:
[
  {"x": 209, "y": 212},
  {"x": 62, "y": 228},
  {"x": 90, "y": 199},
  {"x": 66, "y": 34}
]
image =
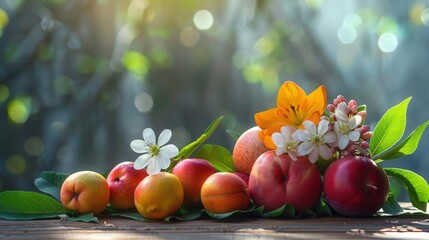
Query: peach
[
  {"x": 192, "y": 173},
  {"x": 224, "y": 192},
  {"x": 247, "y": 149},
  {"x": 86, "y": 192},
  {"x": 158, "y": 196},
  {"x": 123, "y": 180},
  {"x": 277, "y": 180}
]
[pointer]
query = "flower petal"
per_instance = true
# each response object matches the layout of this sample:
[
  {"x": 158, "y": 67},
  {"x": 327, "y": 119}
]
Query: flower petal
[
  {"x": 280, "y": 150},
  {"x": 303, "y": 135},
  {"x": 293, "y": 156},
  {"x": 142, "y": 161},
  {"x": 330, "y": 137},
  {"x": 278, "y": 139},
  {"x": 324, "y": 151},
  {"x": 341, "y": 112},
  {"x": 169, "y": 150},
  {"x": 164, "y": 137},
  {"x": 304, "y": 148},
  {"x": 163, "y": 160},
  {"x": 310, "y": 127},
  {"x": 313, "y": 156},
  {"x": 355, "y": 121},
  {"x": 343, "y": 141},
  {"x": 153, "y": 167},
  {"x": 149, "y": 136},
  {"x": 139, "y": 146},
  {"x": 290, "y": 94},
  {"x": 317, "y": 101},
  {"x": 322, "y": 127},
  {"x": 354, "y": 136}
]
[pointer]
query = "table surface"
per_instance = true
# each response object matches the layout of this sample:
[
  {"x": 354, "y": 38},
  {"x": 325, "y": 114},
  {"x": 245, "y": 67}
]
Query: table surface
[{"x": 248, "y": 228}]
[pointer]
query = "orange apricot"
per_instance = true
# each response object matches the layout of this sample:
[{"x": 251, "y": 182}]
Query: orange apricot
[{"x": 224, "y": 192}]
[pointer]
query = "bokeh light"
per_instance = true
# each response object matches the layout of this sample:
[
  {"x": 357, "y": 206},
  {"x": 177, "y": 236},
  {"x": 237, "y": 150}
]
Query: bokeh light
[
  {"x": 425, "y": 17},
  {"x": 33, "y": 146},
  {"x": 4, "y": 93},
  {"x": 19, "y": 109},
  {"x": 136, "y": 63},
  {"x": 15, "y": 164},
  {"x": 143, "y": 102},
  {"x": 4, "y": 18},
  {"x": 347, "y": 33},
  {"x": 203, "y": 19},
  {"x": 189, "y": 37},
  {"x": 387, "y": 42}
]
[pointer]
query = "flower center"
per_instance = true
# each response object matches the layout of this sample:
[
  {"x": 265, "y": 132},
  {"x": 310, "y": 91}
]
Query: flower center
[
  {"x": 344, "y": 128},
  {"x": 317, "y": 140},
  {"x": 153, "y": 149},
  {"x": 291, "y": 146}
]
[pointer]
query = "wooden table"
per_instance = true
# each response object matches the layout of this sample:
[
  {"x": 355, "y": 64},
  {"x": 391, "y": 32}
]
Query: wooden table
[{"x": 249, "y": 228}]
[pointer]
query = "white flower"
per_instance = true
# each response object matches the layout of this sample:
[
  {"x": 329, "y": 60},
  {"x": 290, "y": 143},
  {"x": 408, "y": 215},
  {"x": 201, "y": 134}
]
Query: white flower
[
  {"x": 155, "y": 156},
  {"x": 286, "y": 141},
  {"x": 315, "y": 140},
  {"x": 345, "y": 127}
]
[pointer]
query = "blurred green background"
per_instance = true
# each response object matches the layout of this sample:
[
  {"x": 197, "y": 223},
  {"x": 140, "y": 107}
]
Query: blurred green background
[{"x": 79, "y": 80}]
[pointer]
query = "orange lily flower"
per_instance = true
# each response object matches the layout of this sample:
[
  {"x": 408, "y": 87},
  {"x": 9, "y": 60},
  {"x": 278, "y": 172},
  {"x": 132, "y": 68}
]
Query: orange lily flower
[{"x": 293, "y": 108}]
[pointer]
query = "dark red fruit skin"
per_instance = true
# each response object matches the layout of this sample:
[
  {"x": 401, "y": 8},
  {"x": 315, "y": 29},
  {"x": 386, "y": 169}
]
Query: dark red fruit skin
[{"x": 355, "y": 186}]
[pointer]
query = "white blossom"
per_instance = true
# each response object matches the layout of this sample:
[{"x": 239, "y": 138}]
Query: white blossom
[{"x": 155, "y": 156}]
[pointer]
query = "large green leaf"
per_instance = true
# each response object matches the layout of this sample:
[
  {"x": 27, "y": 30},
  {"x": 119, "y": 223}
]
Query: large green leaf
[
  {"x": 23, "y": 205},
  {"x": 236, "y": 213},
  {"x": 187, "y": 150},
  {"x": 389, "y": 129},
  {"x": 416, "y": 185},
  {"x": 407, "y": 146},
  {"x": 218, "y": 156},
  {"x": 50, "y": 183}
]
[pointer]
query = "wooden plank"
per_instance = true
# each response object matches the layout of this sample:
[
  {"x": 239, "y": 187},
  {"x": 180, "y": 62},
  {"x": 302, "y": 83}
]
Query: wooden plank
[
  {"x": 248, "y": 228},
  {"x": 317, "y": 228}
]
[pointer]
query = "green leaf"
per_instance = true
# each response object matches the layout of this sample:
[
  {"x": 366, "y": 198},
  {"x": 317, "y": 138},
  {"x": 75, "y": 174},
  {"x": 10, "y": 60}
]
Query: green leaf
[
  {"x": 416, "y": 185},
  {"x": 23, "y": 205},
  {"x": 187, "y": 150},
  {"x": 184, "y": 215},
  {"x": 391, "y": 206},
  {"x": 218, "y": 156},
  {"x": 236, "y": 213},
  {"x": 361, "y": 108},
  {"x": 389, "y": 129},
  {"x": 81, "y": 218},
  {"x": 407, "y": 146},
  {"x": 233, "y": 134},
  {"x": 50, "y": 183}
]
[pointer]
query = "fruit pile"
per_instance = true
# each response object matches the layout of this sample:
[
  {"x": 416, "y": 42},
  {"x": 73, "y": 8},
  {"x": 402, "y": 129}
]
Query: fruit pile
[{"x": 298, "y": 154}]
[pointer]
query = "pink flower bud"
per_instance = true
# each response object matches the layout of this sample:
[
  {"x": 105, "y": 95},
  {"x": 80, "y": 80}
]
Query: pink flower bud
[
  {"x": 365, "y": 128},
  {"x": 364, "y": 145},
  {"x": 367, "y": 135},
  {"x": 331, "y": 107},
  {"x": 341, "y": 98},
  {"x": 352, "y": 104},
  {"x": 363, "y": 115}
]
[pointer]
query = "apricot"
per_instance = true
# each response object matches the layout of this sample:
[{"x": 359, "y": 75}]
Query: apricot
[
  {"x": 247, "y": 149},
  {"x": 158, "y": 196},
  {"x": 224, "y": 192}
]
